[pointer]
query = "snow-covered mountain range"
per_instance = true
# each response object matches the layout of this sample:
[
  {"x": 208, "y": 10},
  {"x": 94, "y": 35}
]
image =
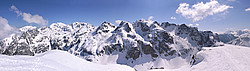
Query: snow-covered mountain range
[
  {"x": 142, "y": 44},
  {"x": 238, "y": 37}
]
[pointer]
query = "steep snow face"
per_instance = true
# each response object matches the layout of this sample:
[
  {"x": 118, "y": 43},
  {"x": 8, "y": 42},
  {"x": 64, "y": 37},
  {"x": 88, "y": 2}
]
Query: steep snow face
[
  {"x": 55, "y": 60},
  {"x": 222, "y": 58},
  {"x": 142, "y": 44}
]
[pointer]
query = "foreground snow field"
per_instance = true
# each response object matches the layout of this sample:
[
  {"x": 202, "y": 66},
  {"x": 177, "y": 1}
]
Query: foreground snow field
[
  {"x": 54, "y": 60},
  {"x": 223, "y": 58}
]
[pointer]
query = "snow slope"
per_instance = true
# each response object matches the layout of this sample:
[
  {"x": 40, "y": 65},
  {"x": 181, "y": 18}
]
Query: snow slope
[
  {"x": 223, "y": 58},
  {"x": 54, "y": 60}
]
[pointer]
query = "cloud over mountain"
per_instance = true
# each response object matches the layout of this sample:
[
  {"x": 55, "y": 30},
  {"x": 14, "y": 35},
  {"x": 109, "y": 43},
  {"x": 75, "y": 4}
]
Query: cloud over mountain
[
  {"x": 28, "y": 17},
  {"x": 248, "y": 9},
  {"x": 201, "y": 10},
  {"x": 173, "y": 18},
  {"x": 5, "y": 28}
]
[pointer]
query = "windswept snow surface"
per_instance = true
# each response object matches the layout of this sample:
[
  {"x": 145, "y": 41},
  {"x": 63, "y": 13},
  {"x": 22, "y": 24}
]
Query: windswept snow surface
[
  {"x": 223, "y": 58},
  {"x": 54, "y": 60}
]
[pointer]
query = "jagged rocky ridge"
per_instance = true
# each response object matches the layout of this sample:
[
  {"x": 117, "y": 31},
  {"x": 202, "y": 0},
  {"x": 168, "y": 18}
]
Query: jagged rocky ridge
[{"x": 133, "y": 44}]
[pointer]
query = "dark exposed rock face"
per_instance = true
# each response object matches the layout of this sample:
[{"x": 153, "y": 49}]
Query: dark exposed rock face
[
  {"x": 208, "y": 38},
  {"x": 202, "y": 38},
  {"x": 133, "y": 53},
  {"x": 18, "y": 49},
  {"x": 147, "y": 49},
  {"x": 105, "y": 27}
]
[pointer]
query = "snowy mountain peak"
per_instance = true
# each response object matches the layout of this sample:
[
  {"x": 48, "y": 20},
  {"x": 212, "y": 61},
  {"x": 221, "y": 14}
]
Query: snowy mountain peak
[
  {"x": 105, "y": 27},
  {"x": 60, "y": 27},
  {"x": 78, "y": 25},
  {"x": 148, "y": 22},
  {"x": 127, "y": 26},
  {"x": 58, "y": 24},
  {"x": 26, "y": 28}
]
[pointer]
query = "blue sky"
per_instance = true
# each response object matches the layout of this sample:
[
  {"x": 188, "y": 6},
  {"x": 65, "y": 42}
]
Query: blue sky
[{"x": 95, "y": 12}]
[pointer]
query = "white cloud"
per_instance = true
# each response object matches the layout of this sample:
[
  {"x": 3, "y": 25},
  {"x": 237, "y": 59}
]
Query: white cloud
[
  {"x": 13, "y": 8},
  {"x": 118, "y": 21},
  {"x": 190, "y": 24},
  {"x": 173, "y": 17},
  {"x": 5, "y": 28},
  {"x": 248, "y": 9},
  {"x": 197, "y": 24},
  {"x": 193, "y": 24},
  {"x": 34, "y": 19},
  {"x": 28, "y": 17},
  {"x": 150, "y": 18},
  {"x": 200, "y": 10}
]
